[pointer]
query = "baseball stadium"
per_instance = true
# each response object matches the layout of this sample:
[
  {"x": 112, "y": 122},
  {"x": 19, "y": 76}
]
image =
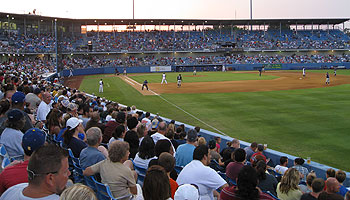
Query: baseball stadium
[{"x": 280, "y": 83}]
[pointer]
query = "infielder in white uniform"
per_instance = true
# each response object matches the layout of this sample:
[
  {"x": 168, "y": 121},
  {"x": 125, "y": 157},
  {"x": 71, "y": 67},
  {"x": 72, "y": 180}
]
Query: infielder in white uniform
[
  {"x": 303, "y": 71},
  {"x": 100, "y": 89},
  {"x": 164, "y": 79}
]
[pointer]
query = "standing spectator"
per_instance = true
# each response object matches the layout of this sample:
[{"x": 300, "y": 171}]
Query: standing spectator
[
  {"x": 197, "y": 172},
  {"x": 331, "y": 191},
  {"x": 91, "y": 154},
  {"x": 44, "y": 107},
  {"x": 184, "y": 153},
  {"x": 288, "y": 188},
  {"x": 32, "y": 140},
  {"x": 47, "y": 175}
]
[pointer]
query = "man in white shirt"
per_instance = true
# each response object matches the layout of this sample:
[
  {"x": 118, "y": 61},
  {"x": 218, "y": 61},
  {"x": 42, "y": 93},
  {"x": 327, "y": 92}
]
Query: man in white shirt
[
  {"x": 101, "y": 86},
  {"x": 44, "y": 107},
  {"x": 282, "y": 167},
  {"x": 147, "y": 121},
  {"x": 198, "y": 173},
  {"x": 48, "y": 173},
  {"x": 164, "y": 79}
]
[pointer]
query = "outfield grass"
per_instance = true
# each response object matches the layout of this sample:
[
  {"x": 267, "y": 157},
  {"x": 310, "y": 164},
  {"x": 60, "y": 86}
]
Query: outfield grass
[{"x": 307, "y": 123}]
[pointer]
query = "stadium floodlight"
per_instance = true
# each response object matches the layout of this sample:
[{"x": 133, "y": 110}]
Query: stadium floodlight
[{"x": 12, "y": 18}]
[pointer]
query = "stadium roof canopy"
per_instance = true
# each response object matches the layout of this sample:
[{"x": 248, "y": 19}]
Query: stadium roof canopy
[{"x": 331, "y": 21}]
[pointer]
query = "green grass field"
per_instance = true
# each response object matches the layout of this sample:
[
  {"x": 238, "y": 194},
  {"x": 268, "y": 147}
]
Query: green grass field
[{"x": 307, "y": 122}]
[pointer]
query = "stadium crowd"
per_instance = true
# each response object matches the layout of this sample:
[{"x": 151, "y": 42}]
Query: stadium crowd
[
  {"x": 41, "y": 122},
  {"x": 179, "y": 41}
]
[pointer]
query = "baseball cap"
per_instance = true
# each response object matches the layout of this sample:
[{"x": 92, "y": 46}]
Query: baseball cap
[
  {"x": 72, "y": 106},
  {"x": 186, "y": 192},
  {"x": 73, "y": 122},
  {"x": 155, "y": 123},
  {"x": 192, "y": 135},
  {"x": 18, "y": 97},
  {"x": 33, "y": 139},
  {"x": 14, "y": 115}
]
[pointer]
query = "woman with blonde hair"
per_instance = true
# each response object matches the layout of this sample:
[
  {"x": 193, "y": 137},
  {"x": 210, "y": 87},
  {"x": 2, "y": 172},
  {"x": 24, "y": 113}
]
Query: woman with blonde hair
[
  {"x": 78, "y": 192},
  {"x": 288, "y": 188}
]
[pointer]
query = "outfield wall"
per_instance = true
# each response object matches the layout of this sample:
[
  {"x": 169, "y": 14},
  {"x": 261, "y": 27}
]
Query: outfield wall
[{"x": 209, "y": 67}]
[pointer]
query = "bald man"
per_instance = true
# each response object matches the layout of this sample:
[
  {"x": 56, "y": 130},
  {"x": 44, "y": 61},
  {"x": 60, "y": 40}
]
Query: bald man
[{"x": 332, "y": 188}]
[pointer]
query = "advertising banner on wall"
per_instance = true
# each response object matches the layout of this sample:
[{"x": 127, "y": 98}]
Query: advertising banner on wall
[{"x": 160, "y": 68}]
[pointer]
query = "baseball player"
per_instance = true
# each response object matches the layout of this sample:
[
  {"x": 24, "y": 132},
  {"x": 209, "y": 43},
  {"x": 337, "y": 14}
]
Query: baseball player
[
  {"x": 194, "y": 71},
  {"x": 145, "y": 84},
  {"x": 335, "y": 71},
  {"x": 327, "y": 79},
  {"x": 164, "y": 79},
  {"x": 179, "y": 80},
  {"x": 100, "y": 89},
  {"x": 304, "y": 72}
]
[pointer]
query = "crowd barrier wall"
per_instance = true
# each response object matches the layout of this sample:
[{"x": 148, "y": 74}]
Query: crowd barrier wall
[
  {"x": 233, "y": 67},
  {"x": 319, "y": 169}
]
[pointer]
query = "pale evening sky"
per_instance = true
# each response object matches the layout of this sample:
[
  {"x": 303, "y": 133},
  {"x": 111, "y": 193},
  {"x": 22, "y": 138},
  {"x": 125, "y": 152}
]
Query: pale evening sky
[{"x": 182, "y": 9}]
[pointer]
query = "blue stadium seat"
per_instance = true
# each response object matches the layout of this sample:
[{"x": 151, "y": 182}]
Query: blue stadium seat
[
  {"x": 6, "y": 161},
  {"x": 104, "y": 192},
  {"x": 141, "y": 172},
  {"x": 269, "y": 193},
  {"x": 78, "y": 174}
]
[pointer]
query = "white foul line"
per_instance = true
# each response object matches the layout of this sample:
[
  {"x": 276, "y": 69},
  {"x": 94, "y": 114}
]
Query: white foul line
[{"x": 132, "y": 80}]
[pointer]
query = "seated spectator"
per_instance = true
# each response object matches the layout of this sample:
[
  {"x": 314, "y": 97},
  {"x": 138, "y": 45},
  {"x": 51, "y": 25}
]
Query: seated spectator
[
  {"x": 186, "y": 191},
  {"x": 113, "y": 172},
  {"x": 227, "y": 152},
  {"x": 4, "y": 107},
  {"x": 282, "y": 167},
  {"x": 179, "y": 136},
  {"x": 201, "y": 141},
  {"x": 118, "y": 118},
  {"x": 78, "y": 191},
  {"x": 170, "y": 134},
  {"x": 156, "y": 185},
  {"x": 11, "y": 137},
  {"x": 288, "y": 188},
  {"x": 48, "y": 173},
  {"x": 91, "y": 154},
  {"x": 259, "y": 152},
  {"x": 317, "y": 187},
  {"x": 341, "y": 176},
  {"x": 146, "y": 152},
  {"x": 142, "y": 131},
  {"x": 118, "y": 134},
  {"x": 251, "y": 149},
  {"x": 233, "y": 168},
  {"x": 215, "y": 158},
  {"x": 307, "y": 188},
  {"x": 331, "y": 190},
  {"x": 131, "y": 137},
  {"x": 95, "y": 122},
  {"x": 347, "y": 196},
  {"x": 246, "y": 188},
  {"x": 197, "y": 172},
  {"x": 32, "y": 140},
  {"x": 266, "y": 182},
  {"x": 184, "y": 153},
  {"x": 167, "y": 161},
  {"x": 70, "y": 136},
  {"x": 218, "y": 141},
  {"x": 330, "y": 173},
  {"x": 298, "y": 162},
  {"x": 54, "y": 121}
]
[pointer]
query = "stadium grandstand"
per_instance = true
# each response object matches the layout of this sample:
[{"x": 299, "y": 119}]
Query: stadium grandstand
[{"x": 121, "y": 152}]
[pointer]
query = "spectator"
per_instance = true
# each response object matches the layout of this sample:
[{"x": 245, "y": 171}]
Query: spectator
[
  {"x": 141, "y": 131},
  {"x": 91, "y": 154},
  {"x": 341, "y": 176},
  {"x": 131, "y": 136},
  {"x": 95, "y": 122},
  {"x": 113, "y": 172},
  {"x": 266, "y": 182},
  {"x": 17, "y": 102},
  {"x": 227, "y": 152},
  {"x": 4, "y": 107},
  {"x": 233, "y": 168},
  {"x": 202, "y": 141},
  {"x": 317, "y": 187},
  {"x": 288, "y": 188},
  {"x": 33, "y": 99},
  {"x": 79, "y": 192},
  {"x": 146, "y": 120},
  {"x": 44, "y": 107},
  {"x": 11, "y": 137},
  {"x": 70, "y": 136},
  {"x": 282, "y": 167},
  {"x": 330, "y": 173},
  {"x": 118, "y": 134},
  {"x": 47, "y": 175},
  {"x": 298, "y": 162},
  {"x": 146, "y": 152},
  {"x": 246, "y": 188},
  {"x": 197, "y": 172},
  {"x": 32, "y": 140},
  {"x": 251, "y": 150},
  {"x": 156, "y": 185},
  {"x": 184, "y": 153},
  {"x": 118, "y": 118},
  {"x": 187, "y": 191},
  {"x": 54, "y": 121},
  {"x": 331, "y": 191},
  {"x": 259, "y": 152},
  {"x": 309, "y": 179},
  {"x": 167, "y": 161}
]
